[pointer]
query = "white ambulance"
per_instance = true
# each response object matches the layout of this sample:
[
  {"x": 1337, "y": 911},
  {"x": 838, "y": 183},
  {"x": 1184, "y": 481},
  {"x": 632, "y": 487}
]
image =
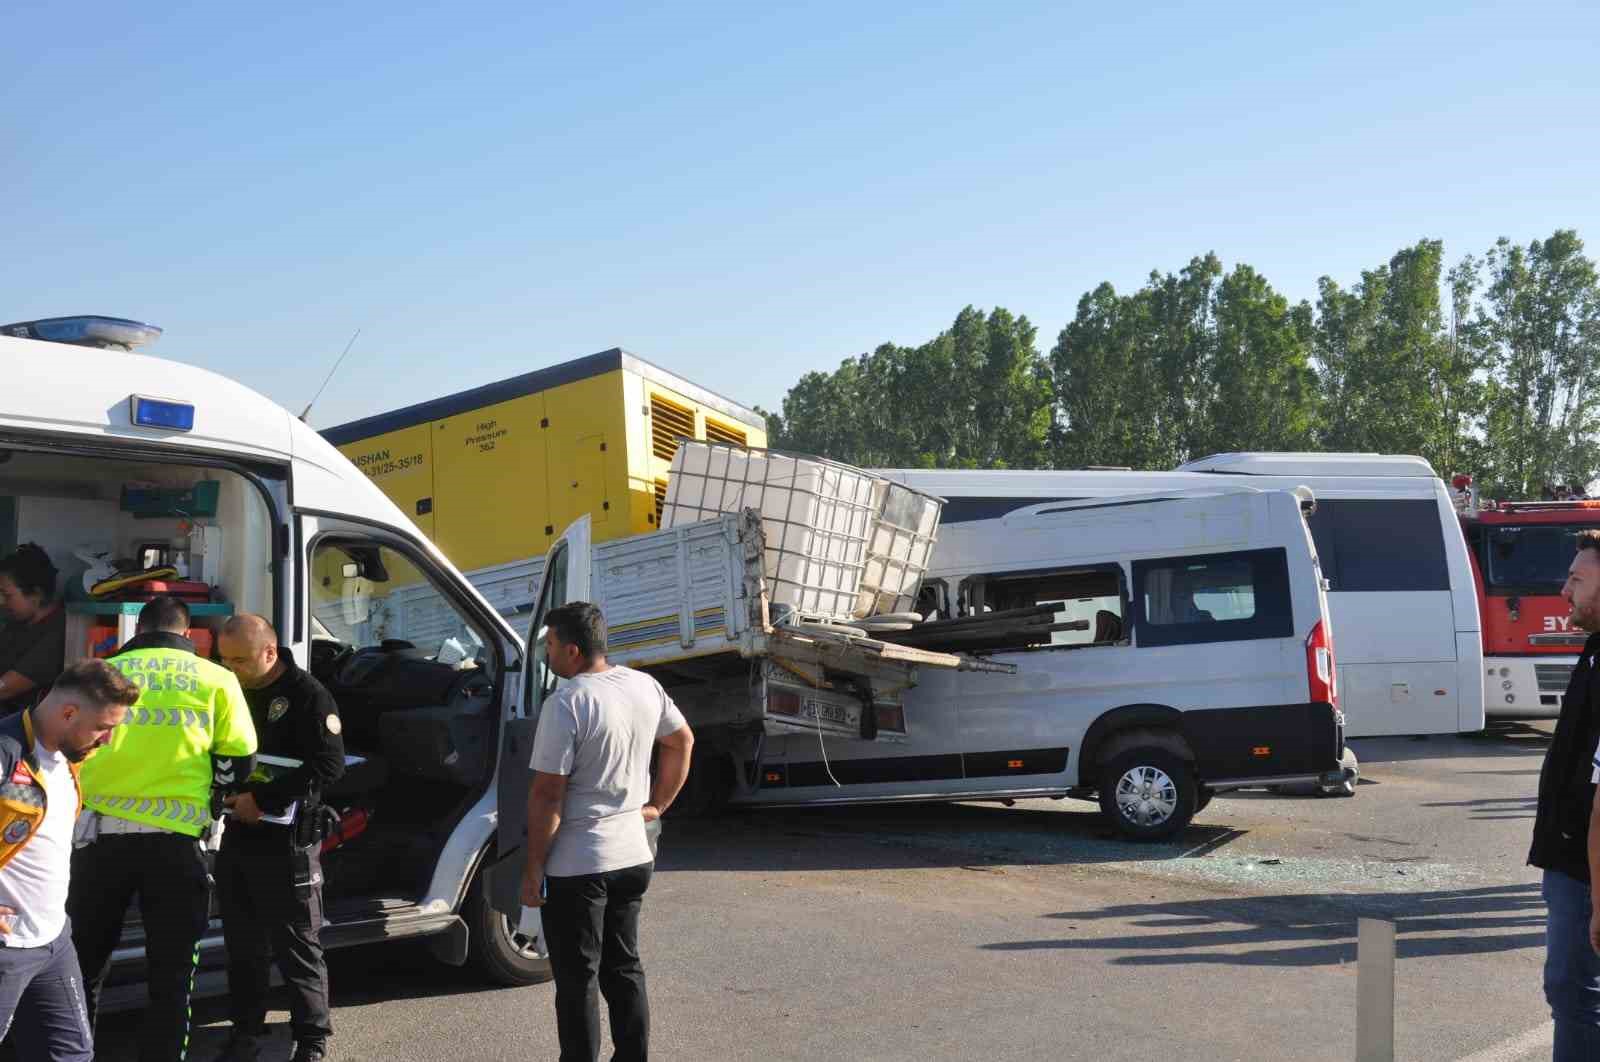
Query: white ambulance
[{"x": 106, "y": 453}]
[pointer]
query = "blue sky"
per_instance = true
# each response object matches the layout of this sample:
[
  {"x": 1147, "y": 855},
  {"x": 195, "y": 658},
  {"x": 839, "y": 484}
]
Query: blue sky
[{"x": 737, "y": 192}]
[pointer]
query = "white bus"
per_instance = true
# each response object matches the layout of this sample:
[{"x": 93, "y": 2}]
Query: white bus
[{"x": 1401, "y": 590}]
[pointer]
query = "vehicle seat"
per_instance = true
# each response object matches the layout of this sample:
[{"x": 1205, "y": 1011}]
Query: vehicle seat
[
  {"x": 358, "y": 779},
  {"x": 451, "y": 742},
  {"x": 1107, "y": 626}
]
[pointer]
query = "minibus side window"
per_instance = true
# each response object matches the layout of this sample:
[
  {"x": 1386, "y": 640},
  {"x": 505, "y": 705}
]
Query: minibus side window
[
  {"x": 1218, "y": 597},
  {"x": 1089, "y": 605}
]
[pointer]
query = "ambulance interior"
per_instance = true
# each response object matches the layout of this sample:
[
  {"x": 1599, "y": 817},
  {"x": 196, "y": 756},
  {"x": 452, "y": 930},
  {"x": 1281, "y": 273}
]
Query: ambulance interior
[
  {"x": 415, "y": 697},
  {"x": 118, "y": 531}
]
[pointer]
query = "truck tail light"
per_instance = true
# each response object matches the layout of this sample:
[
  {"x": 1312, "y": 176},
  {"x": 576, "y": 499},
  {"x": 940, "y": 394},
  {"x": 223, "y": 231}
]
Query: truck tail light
[{"x": 783, "y": 702}]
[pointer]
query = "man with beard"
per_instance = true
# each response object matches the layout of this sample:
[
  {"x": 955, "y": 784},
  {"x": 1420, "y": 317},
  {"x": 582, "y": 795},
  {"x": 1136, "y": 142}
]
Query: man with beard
[
  {"x": 1561, "y": 830},
  {"x": 40, "y": 750}
]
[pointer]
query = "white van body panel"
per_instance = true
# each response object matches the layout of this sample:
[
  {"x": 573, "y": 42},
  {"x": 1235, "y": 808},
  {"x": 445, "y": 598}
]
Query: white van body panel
[
  {"x": 1395, "y": 649},
  {"x": 85, "y": 391}
]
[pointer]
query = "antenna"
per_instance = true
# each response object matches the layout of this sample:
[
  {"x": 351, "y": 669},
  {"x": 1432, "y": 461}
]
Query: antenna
[{"x": 304, "y": 413}]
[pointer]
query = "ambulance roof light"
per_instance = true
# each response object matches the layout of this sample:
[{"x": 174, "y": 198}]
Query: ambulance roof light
[{"x": 89, "y": 330}]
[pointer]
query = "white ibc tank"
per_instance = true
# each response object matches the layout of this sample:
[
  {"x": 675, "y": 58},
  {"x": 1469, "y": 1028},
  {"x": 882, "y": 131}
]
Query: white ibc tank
[
  {"x": 899, "y": 550},
  {"x": 841, "y": 543}
]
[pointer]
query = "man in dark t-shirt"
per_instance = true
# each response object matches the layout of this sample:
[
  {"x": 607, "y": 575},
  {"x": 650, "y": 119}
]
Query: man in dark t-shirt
[{"x": 34, "y": 651}]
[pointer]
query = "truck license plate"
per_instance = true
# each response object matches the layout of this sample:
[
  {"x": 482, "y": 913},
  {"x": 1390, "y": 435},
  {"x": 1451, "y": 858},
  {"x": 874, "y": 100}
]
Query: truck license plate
[
  {"x": 833, "y": 718},
  {"x": 830, "y": 714}
]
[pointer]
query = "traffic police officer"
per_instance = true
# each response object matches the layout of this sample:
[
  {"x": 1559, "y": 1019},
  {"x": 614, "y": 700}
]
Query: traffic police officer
[
  {"x": 151, "y": 790},
  {"x": 269, "y": 875}
]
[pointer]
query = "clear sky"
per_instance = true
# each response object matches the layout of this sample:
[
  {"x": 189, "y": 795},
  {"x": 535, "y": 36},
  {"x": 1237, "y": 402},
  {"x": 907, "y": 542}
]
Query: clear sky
[{"x": 742, "y": 192}]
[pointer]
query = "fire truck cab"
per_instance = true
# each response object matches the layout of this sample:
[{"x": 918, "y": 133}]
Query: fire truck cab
[{"x": 1520, "y": 553}]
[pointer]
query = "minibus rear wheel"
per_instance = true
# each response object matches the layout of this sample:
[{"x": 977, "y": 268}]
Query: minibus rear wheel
[{"x": 1148, "y": 793}]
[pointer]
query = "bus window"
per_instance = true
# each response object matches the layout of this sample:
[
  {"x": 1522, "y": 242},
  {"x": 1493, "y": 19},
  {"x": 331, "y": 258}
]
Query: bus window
[
  {"x": 1089, "y": 603},
  {"x": 1411, "y": 532}
]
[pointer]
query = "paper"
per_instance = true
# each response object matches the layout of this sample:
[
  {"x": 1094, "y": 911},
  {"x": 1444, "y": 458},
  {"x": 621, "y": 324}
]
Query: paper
[
  {"x": 269, "y": 767},
  {"x": 531, "y": 925}
]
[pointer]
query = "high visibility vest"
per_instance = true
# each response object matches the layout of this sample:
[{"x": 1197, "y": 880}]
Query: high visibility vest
[{"x": 157, "y": 767}]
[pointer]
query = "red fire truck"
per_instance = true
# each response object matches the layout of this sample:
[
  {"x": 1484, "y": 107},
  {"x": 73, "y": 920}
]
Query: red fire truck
[{"x": 1520, "y": 553}]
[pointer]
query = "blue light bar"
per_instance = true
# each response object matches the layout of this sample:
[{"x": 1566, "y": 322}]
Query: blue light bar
[
  {"x": 111, "y": 333},
  {"x": 161, "y": 413}
]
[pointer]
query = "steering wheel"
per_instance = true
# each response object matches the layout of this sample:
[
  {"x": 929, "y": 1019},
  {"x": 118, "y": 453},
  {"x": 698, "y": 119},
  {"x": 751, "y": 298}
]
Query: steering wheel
[
  {"x": 469, "y": 682},
  {"x": 353, "y": 668}
]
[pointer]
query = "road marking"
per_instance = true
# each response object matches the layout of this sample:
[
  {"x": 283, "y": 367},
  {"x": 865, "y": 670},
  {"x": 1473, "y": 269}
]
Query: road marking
[{"x": 1524, "y": 1045}]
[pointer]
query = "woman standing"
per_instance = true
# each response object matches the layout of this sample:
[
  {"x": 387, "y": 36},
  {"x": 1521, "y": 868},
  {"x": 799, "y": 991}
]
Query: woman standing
[{"x": 33, "y": 640}]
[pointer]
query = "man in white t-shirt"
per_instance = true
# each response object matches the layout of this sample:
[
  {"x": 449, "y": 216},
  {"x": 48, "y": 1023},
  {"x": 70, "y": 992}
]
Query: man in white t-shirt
[
  {"x": 589, "y": 859},
  {"x": 40, "y": 750}
]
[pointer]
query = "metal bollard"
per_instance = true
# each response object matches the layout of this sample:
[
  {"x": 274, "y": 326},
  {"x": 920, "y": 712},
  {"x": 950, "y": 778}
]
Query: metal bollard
[{"x": 1374, "y": 991}]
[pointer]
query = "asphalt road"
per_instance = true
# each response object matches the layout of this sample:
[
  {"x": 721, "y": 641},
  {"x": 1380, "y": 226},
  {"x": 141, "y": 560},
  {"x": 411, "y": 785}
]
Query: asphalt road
[{"x": 1026, "y": 932}]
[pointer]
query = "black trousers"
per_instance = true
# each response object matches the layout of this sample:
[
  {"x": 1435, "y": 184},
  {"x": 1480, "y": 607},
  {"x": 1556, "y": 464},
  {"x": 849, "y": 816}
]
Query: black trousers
[
  {"x": 167, "y": 872},
  {"x": 591, "y": 926},
  {"x": 270, "y": 892},
  {"x": 41, "y": 1003}
]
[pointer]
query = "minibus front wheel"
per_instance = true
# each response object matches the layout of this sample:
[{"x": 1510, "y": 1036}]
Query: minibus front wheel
[{"x": 495, "y": 947}]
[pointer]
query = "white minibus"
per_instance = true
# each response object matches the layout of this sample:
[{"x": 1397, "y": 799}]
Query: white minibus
[{"x": 1189, "y": 654}]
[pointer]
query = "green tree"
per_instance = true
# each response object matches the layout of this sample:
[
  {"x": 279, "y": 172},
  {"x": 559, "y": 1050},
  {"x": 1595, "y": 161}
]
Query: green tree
[
  {"x": 1263, "y": 393},
  {"x": 819, "y": 413},
  {"x": 1179, "y": 323},
  {"x": 1133, "y": 374},
  {"x": 975, "y": 396},
  {"x": 1463, "y": 393},
  {"x": 1344, "y": 342},
  {"x": 1091, "y": 364},
  {"x": 1393, "y": 375},
  {"x": 1487, "y": 367},
  {"x": 1539, "y": 327}
]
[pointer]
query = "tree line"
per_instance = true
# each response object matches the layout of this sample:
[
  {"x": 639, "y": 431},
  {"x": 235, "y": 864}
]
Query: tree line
[{"x": 1484, "y": 366}]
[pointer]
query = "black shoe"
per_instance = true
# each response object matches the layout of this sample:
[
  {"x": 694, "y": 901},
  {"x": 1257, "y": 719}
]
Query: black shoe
[
  {"x": 310, "y": 1051},
  {"x": 241, "y": 1047}
]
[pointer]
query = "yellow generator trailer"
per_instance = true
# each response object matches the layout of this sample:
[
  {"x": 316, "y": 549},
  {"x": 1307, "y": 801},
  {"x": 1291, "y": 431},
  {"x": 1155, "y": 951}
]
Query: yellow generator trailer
[{"x": 492, "y": 475}]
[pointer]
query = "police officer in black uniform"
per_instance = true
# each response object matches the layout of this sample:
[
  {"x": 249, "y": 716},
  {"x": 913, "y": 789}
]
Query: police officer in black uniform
[{"x": 269, "y": 875}]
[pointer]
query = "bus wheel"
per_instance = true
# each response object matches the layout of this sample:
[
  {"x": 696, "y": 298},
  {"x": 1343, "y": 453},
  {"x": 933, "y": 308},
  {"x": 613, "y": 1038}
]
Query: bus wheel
[{"x": 1148, "y": 793}]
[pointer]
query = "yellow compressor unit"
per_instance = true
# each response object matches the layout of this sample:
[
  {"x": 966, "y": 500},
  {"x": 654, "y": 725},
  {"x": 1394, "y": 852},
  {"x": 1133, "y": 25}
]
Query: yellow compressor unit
[{"x": 493, "y": 475}]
